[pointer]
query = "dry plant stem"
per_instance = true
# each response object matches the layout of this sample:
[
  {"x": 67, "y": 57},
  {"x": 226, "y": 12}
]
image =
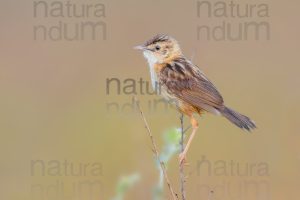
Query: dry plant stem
[
  {"x": 211, "y": 194},
  {"x": 155, "y": 150},
  {"x": 181, "y": 166}
]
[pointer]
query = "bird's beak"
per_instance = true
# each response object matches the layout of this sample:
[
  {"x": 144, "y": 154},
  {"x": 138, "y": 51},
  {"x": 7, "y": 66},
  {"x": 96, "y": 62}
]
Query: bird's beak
[{"x": 140, "y": 47}]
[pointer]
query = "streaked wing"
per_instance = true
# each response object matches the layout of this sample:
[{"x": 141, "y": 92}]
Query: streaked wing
[{"x": 185, "y": 81}]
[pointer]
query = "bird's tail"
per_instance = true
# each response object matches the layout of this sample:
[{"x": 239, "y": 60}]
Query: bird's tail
[{"x": 238, "y": 119}]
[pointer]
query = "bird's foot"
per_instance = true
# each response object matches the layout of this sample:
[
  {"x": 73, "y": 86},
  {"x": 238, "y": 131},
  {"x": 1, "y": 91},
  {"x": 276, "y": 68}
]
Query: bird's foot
[{"x": 182, "y": 158}]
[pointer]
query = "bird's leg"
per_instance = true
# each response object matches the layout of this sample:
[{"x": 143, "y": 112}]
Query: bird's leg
[{"x": 182, "y": 156}]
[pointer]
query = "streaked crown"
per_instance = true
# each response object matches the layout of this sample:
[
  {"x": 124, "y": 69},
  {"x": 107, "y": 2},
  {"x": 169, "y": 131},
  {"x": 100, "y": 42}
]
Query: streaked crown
[{"x": 160, "y": 49}]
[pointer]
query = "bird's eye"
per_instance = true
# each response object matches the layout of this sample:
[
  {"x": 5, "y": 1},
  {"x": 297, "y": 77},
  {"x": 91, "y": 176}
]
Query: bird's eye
[{"x": 157, "y": 48}]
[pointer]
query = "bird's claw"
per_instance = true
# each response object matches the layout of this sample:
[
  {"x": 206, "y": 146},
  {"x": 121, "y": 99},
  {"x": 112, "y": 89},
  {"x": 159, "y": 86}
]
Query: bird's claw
[{"x": 182, "y": 158}]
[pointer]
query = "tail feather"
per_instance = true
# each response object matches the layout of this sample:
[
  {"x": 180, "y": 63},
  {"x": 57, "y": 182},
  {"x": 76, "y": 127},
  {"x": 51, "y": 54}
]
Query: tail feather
[{"x": 238, "y": 119}]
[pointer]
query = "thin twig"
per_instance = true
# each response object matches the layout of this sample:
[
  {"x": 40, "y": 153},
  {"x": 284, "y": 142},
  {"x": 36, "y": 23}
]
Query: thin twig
[
  {"x": 156, "y": 152},
  {"x": 211, "y": 195},
  {"x": 181, "y": 166}
]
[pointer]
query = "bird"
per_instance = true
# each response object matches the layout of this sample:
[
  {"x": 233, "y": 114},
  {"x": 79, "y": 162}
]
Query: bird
[{"x": 184, "y": 85}]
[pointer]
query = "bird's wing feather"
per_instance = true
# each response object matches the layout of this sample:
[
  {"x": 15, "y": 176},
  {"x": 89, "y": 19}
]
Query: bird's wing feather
[{"x": 185, "y": 81}]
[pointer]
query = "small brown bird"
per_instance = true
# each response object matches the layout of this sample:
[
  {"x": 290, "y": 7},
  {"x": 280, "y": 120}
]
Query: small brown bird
[{"x": 183, "y": 84}]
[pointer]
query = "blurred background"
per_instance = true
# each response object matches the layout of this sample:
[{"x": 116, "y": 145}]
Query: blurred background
[{"x": 66, "y": 122}]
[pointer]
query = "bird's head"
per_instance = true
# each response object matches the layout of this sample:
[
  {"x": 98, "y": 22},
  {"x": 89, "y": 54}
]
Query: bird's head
[{"x": 160, "y": 49}]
